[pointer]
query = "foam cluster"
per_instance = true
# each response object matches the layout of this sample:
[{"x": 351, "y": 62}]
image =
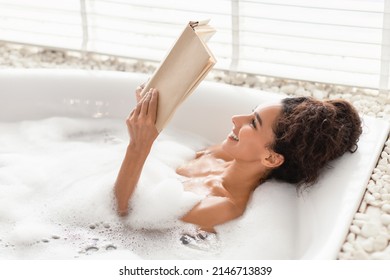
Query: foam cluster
[
  {"x": 56, "y": 198},
  {"x": 56, "y": 180}
]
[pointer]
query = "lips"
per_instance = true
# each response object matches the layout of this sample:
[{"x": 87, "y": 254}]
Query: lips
[{"x": 233, "y": 136}]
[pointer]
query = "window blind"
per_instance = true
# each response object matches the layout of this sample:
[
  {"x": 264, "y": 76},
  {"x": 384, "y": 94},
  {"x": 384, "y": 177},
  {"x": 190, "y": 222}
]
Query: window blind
[{"x": 332, "y": 41}]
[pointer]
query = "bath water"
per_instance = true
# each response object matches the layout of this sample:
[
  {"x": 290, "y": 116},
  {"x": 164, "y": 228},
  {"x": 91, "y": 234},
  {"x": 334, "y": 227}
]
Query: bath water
[{"x": 56, "y": 198}]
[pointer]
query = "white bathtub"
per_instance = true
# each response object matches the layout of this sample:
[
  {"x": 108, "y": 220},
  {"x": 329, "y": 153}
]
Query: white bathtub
[{"x": 320, "y": 219}]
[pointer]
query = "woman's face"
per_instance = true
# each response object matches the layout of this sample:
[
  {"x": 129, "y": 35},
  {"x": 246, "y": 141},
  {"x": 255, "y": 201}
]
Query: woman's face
[{"x": 253, "y": 133}]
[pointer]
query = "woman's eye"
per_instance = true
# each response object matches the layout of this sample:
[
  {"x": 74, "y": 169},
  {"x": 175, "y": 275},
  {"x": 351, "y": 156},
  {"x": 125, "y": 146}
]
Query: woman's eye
[{"x": 253, "y": 123}]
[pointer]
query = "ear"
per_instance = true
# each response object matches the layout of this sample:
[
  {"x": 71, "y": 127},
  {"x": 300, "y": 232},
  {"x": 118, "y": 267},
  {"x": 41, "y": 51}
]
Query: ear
[{"x": 273, "y": 160}]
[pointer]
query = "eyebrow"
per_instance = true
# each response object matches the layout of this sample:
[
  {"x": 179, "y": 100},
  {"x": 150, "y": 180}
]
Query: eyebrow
[{"x": 258, "y": 118}]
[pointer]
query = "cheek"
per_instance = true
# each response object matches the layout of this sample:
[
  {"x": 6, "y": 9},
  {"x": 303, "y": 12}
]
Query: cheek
[
  {"x": 253, "y": 150},
  {"x": 254, "y": 145},
  {"x": 247, "y": 149}
]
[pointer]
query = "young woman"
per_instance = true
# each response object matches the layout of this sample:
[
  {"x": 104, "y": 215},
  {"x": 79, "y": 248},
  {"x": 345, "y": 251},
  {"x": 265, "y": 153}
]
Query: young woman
[{"x": 290, "y": 141}]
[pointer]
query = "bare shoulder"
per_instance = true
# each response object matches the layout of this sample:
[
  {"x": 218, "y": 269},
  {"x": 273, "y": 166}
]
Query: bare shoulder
[
  {"x": 212, "y": 211},
  {"x": 229, "y": 207}
]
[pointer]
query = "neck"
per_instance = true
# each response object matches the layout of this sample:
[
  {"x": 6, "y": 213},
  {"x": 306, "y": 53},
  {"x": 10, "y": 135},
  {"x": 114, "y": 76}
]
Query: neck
[{"x": 242, "y": 178}]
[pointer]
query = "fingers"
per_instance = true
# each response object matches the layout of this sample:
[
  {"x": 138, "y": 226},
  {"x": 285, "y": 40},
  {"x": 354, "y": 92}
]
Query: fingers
[
  {"x": 141, "y": 87},
  {"x": 147, "y": 104},
  {"x": 152, "y": 110},
  {"x": 136, "y": 111},
  {"x": 141, "y": 122},
  {"x": 139, "y": 90}
]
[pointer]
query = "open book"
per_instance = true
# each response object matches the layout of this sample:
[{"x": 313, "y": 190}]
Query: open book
[{"x": 185, "y": 66}]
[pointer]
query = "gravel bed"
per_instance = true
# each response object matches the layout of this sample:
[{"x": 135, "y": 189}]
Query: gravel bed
[{"x": 369, "y": 233}]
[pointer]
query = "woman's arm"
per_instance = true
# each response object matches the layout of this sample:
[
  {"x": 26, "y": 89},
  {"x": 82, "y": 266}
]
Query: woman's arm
[
  {"x": 212, "y": 211},
  {"x": 142, "y": 130}
]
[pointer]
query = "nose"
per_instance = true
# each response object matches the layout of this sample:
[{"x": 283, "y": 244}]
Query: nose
[{"x": 238, "y": 120}]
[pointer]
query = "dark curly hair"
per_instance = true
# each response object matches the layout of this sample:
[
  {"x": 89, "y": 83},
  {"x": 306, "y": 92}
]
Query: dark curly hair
[{"x": 309, "y": 133}]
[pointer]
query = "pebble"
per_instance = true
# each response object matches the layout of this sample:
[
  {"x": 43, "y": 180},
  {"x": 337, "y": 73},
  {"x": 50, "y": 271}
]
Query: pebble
[
  {"x": 383, "y": 161},
  {"x": 380, "y": 242},
  {"x": 385, "y": 197},
  {"x": 373, "y": 189},
  {"x": 382, "y": 168},
  {"x": 361, "y": 216},
  {"x": 347, "y": 247},
  {"x": 375, "y": 203},
  {"x": 238, "y": 80},
  {"x": 289, "y": 89},
  {"x": 360, "y": 255},
  {"x": 351, "y": 237},
  {"x": 363, "y": 206},
  {"x": 377, "y": 196},
  {"x": 370, "y": 230},
  {"x": 345, "y": 256},
  {"x": 386, "y": 178},
  {"x": 274, "y": 89},
  {"x": 385, "y": 219},
  {"x": 368, "y": 245},
  {"x": 359, "y": 223},
  {"x": 386, "y": 208},
  {"x": 383, "y": 191},
  {"x": 302, "y": 92},
  {"x": 369, "y": 198},
  {"x": 354, "y": 229},
  {"x": 375, "y": 176},
  {"x": 319, "y": 94},
  {"x": 310, "y": 87},
  {"x": 378, "y": 171},
  {"x": 371, "y": 184},
  {"x": 252, "y": 81}
]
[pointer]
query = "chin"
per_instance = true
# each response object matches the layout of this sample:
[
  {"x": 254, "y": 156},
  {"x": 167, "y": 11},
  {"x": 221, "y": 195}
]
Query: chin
[{"x": 225, "y": 147}]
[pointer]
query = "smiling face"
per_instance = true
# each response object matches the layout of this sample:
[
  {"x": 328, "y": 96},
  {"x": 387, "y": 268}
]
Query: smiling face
[{"x": 252, "y": 134}]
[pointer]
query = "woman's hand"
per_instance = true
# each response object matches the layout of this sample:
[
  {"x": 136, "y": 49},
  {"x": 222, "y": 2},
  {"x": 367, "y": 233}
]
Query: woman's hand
[
  {"x": 143, "y": 132},
  {"x": 138, "y": 91},
  {"x": 141, "y": 122}
]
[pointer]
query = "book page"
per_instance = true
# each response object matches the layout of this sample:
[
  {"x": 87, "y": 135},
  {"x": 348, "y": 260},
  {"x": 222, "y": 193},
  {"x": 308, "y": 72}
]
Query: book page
[{"x": 181, "y": 71}]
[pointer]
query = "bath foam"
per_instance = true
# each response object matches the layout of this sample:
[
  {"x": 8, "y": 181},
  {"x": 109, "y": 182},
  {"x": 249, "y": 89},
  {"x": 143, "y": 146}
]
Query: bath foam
[
  {"x": 260, "y": 233},
  {"x": 56, "y": 181},
  {"x": 56, "y": 200}
]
